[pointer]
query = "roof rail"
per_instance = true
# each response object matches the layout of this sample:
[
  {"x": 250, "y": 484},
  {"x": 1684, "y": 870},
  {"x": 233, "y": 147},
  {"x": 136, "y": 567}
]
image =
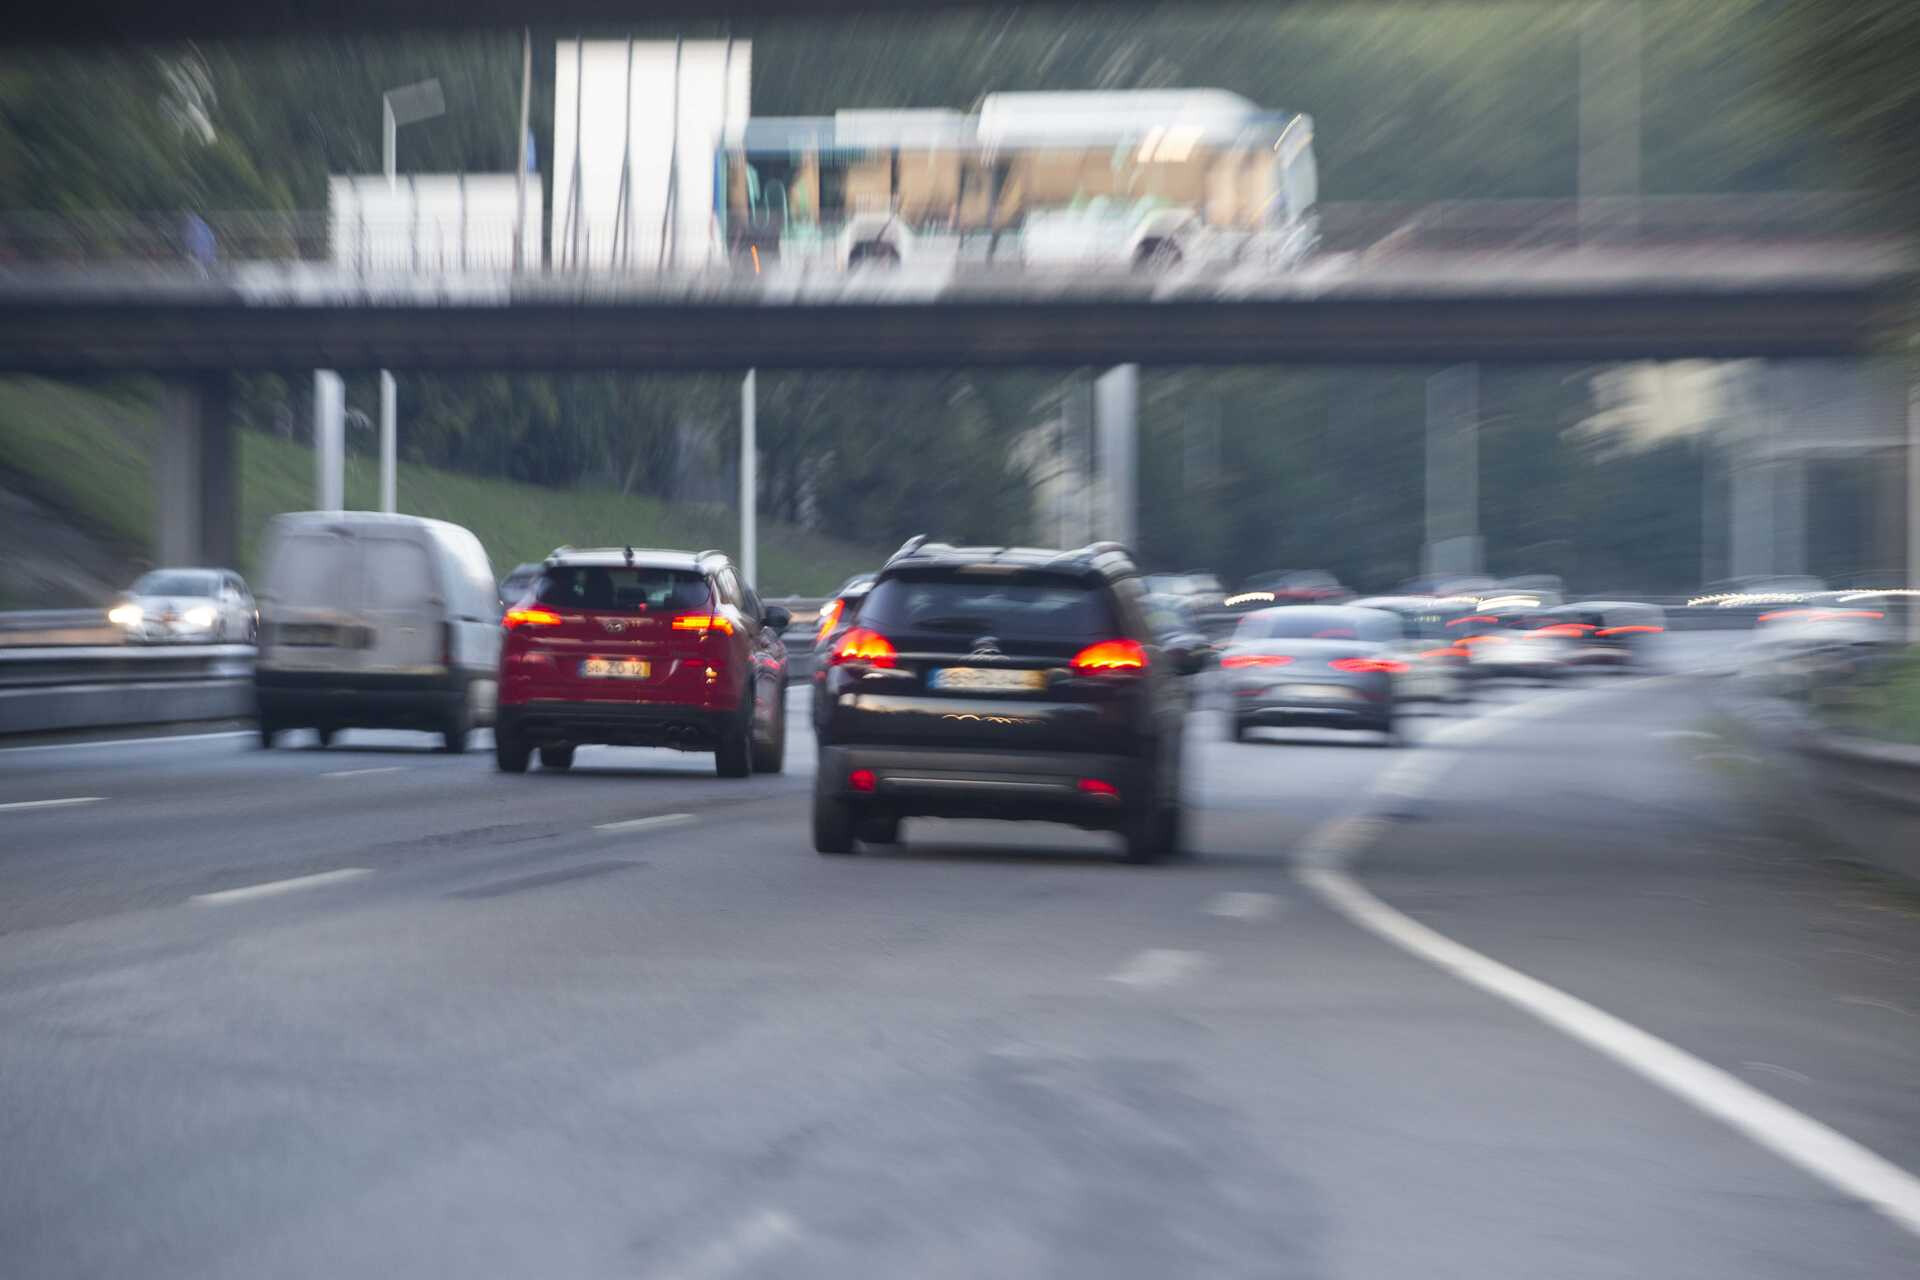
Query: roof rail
[
  {"x": 911, "y": 545},
  {"x": 1095, "y": 548},
  {"x": 710, "y": 551}
]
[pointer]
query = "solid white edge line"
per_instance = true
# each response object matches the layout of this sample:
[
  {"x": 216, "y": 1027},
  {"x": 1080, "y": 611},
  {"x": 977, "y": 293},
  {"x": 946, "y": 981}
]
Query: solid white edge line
[
  {"x": 273, "y": 887},
  {"x": 1829, "y": 1156},
  {"x": 51, "y": 804},
  {"x": 361, "y": 773},
  {"x": 156, "y": 739},
  {"x": 643, "y": 824}
]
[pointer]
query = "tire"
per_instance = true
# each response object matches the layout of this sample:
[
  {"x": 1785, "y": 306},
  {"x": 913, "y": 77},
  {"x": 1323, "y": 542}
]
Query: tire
[
  {"x": 459, "y": 724},
  {"x": 771, "y": 756},
  {"x": 268, "y": 729},
  {"x": 884, "y": 829},
  {"x": 1154, "y": 835},
  {"x": 325, "y": 733},
  {"x": 733, "y": 758},
  {"x": 1240, "y": 730},
  {"x": 510, "y": 751},
  {"x": 832, "y": 824},
  {"x": 557, "y": 757}
]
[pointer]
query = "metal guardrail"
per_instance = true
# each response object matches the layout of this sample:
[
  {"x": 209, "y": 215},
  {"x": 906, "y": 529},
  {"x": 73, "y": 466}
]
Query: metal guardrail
[
  {"x": 44, "y": 690},
  {"x": 36, "y": 627},
  {"x": 121, "y": 664}
]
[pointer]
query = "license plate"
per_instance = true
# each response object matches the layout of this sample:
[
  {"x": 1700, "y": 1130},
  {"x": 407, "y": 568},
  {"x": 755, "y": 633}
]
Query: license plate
[
  {"x": 986, "y": 680},
  {"x": 1330, "y": 691},
  {"x": 615, "y": 669}
]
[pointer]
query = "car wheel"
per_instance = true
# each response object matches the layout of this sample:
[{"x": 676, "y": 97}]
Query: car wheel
[
  {"x": 510, "y": 751},
  {"x": 267, "y": 731},
  {"x": 560, "y": 757},
  {"x": 453, "y": 734},
  {"x": 1153, "y": 835},
  {"x": 1240, "y": 730},
  {"x": 733, "y": 758},
  {"x": 832, "y": 823},
  {"x": 771, "y": 756},
  {"x": 325, "y": 733},
  {"x": 883, "y": 829}
]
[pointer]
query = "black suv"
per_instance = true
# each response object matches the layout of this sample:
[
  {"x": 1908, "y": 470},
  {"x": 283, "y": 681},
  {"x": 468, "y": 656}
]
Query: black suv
[{"x": 1002, "y": 682}]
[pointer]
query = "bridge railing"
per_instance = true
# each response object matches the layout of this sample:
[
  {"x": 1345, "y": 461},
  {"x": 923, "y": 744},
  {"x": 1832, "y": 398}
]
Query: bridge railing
[{"x": 433, "y": 244}]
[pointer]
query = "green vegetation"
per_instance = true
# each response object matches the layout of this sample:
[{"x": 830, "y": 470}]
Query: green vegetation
[
  {"x": 83, "y": 451},
  {"x": 1886, "y": 706}
]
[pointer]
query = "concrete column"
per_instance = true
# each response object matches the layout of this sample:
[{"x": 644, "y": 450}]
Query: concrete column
[
  {"x": 329, "y": 441},
  {"x": 1453, "y": 472},
  {"x": 389, "y": 441},
  {"x": 1913, "y": 507},
  {"x": 1116, "y": 410},
  {"x": 194, "y": 476},
  {"x": 749, "y": 482},
  {"x": 1609, "y": 115}
]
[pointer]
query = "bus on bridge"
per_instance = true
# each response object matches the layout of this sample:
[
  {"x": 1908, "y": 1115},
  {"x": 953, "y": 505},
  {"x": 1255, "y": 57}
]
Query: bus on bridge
[{"x": 1144, "y": 178}]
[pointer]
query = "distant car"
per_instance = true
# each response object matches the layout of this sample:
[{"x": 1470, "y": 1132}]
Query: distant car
[
  {"x": 627, "y": 647},
  {"x": 1326, "y": 666},
  {"x": 1523, "y": 643},
  {"x": 373, "y": 620},
  {"x": 995, "y": 682},
  {"x": 1436, "y": 663},
  {"x": 1611, "y": 633},
  {"x": 1173, "y": 619},
  {"x": 1290, "y": 586},
  {"x": 187, "y": 606},
  {"x": 516, "y": 584}
]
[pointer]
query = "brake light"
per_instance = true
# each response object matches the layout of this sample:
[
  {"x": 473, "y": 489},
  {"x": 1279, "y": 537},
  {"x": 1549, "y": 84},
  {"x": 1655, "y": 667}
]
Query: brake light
[
  {"x": 704, "y": 622},
  {"x": 530, "y": 618},
  {"x": 1447, "y": 651},
  {"x": 862, "y": 780},
  {"x": 1255, "y": 660},
  {"x": 1110, "y": 656},
  {"x": 1473, "y": 617},
  {"x": 831, "y": 615},
  {"x": 1636, "y": 629},
  {"x": 1098, "y": 787},
  {"x": 1560, "y": 630},
  {"x": 1368, "y": 666},
  {"x": 862, "y": 645}
]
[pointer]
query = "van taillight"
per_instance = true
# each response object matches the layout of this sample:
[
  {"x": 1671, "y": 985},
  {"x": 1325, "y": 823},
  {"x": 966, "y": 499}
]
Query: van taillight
[
  {"x": 1109, "y": 657},
  {"x": 864, "y": 645}
]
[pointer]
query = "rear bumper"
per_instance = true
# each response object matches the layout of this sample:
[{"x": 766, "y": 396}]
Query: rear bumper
[
  {"x": 1037, "y": 786},
  {"x": 352, "y": 700},
  {"x": 622, "y": 724}
]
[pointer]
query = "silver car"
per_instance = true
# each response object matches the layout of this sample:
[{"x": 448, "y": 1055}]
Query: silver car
[
  {"x": 186, "y": 606},
  {"x": 1329, "y": 666}
]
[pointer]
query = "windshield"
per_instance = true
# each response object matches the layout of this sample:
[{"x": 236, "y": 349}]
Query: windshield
[
  {"x": 624, "y": 590},
  {"x": 173, "y": 582}
]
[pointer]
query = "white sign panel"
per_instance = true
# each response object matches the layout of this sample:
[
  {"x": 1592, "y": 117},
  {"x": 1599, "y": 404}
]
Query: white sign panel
[
  {"x": 430, "y": 222},
  {"x": 595, "y": 127}
]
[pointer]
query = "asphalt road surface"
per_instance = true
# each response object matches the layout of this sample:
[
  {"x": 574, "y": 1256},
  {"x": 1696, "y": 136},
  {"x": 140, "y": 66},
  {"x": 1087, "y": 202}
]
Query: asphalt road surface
[{"x": 379, "y": 1011}]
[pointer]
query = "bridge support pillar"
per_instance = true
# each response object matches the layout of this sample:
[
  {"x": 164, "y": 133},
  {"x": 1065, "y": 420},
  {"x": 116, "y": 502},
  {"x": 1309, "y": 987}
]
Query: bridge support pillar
[
  {"x": 195, "y": 489},
  {"x": 1116, "y": 412},
  {"x": 1453, "y": 547}
]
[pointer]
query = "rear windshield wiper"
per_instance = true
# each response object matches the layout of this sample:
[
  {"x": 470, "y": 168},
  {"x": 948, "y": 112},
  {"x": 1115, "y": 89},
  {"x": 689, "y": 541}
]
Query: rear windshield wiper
[{"x": 954, "y": 622}]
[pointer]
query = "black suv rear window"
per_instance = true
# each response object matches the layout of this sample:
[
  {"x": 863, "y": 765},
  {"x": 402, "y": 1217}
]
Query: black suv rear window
[
  {"x": 623, "y": 590},
  {"x": 1048, "y": 608}
]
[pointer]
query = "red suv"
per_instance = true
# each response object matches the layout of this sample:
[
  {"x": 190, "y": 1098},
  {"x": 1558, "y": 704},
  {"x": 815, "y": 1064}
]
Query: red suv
[{"x": 642, "y": 648}]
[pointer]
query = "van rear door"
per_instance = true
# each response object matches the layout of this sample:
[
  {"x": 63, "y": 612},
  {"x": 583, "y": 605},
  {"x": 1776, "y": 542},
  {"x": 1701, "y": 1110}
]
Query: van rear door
[
  {"x": 403, "y": 607},
  {"x": 311, "y": 603}
]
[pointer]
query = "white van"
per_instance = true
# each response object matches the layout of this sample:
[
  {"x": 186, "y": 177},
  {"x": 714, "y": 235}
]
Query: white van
[{"x": 376, "y": 621}]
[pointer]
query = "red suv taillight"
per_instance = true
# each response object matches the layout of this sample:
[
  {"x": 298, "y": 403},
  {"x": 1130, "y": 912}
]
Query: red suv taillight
[
  {"x": 864, "y": 646},
  {"x": 1255, "y": 660},
  {"x": 704, "y": 622},
  {"x": 830, "y": 615},
  {"x": 1110, "y": 657},
  {"x": 529, "y": 618}
]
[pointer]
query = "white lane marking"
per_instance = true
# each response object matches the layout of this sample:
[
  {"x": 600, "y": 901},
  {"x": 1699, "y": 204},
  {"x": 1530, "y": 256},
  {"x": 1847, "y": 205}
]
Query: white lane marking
[
  {"x": 1159, "y": 968},
  {"x": 361, "y": 773},
  {"x": 750, "y": 1238},
  {"x": 1683, "y": 735},
  {"x": 1829, "y": 1156},
  {"x": 1826, "y": 1154},
  {"x": 52, "y": 804},
  {"x": 134, "y": 742},
  {"x": 1237, "y": 905},
  {"x": 644, "y": 824},
  {"x": 272, "y": 887}
]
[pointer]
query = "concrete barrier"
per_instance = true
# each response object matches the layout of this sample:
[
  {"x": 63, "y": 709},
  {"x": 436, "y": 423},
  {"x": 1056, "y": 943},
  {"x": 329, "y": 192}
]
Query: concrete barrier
[{"x": 44, "y": 690}]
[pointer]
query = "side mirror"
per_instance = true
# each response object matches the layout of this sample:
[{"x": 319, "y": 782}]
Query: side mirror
[
  {"x": 1186, "y": 661},
  {"x": 776, "y": 618}
]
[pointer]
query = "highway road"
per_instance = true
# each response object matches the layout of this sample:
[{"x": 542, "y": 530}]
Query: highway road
[{"x": 379, "y": 1011}]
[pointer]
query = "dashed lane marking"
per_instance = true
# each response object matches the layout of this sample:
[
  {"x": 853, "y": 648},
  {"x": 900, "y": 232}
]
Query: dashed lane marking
[
  {"x": 272, "y": 887},
  {"x": 652, "y": 823},
  {"x": 1243, "y": 906},
  {"x": 361, "y": 773},
  {"x": 1157, "y": 968},
  {"x": 63, "y": 803}
]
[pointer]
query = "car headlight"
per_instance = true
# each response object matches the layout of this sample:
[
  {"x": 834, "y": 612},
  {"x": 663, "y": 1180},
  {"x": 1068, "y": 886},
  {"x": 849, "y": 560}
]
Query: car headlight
[
  {"x": 202, "y": 616},
  {"x": 125, "y": 615}
]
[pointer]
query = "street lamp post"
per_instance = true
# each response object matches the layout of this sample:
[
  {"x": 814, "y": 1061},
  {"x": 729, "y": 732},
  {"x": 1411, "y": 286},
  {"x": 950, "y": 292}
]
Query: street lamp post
[{"x": 408, "y": 104}]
